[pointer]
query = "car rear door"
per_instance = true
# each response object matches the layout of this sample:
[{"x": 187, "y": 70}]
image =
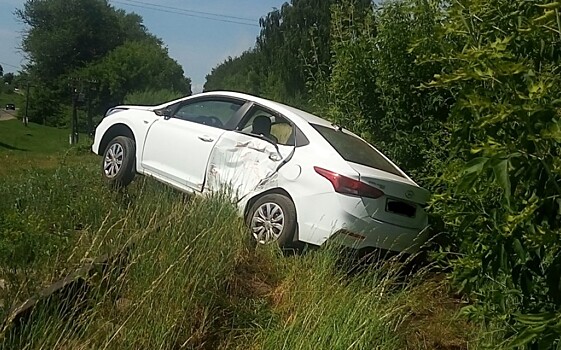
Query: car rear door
[{"x": 178, "y": 146}]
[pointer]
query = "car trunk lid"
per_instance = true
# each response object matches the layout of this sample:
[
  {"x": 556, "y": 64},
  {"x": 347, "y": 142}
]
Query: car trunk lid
[{"x": 403, "y": 200}]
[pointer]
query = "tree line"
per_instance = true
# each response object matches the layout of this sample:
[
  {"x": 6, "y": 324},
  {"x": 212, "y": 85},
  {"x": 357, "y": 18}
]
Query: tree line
[
  {"x": 466, "y": 96},
  {"x": 91, "y": 49}
]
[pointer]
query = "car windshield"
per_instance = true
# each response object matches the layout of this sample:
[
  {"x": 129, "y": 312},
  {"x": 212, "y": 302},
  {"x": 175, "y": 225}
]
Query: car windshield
[{"x": 354, "y": 150}]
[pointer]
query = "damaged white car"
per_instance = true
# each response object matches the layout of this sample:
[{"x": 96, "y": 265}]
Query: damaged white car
[{"x": 296, "y": 177}]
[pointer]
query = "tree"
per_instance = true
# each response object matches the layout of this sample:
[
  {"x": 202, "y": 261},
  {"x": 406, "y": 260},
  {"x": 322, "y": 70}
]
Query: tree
[
  {"x": 136, "y": 66},
  {"x": 241, "y": 74},
  {"x": 66, "y": 34},
  {"x": 67, "y": 41},
  {"x": 8, "y": 78},
  {"x": 292, "y": 45},
  {"x": 372, "y": 84}
]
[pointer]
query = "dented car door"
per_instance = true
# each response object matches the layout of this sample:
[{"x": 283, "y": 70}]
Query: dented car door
[{"x": 241, "y": 163}]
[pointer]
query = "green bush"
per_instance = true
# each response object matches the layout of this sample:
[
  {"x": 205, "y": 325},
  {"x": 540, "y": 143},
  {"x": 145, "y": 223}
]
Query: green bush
[
  {"x": 465, "y": 96},
  {"x": 151, "y": 97},
  {"x": 500, "y": 197}
]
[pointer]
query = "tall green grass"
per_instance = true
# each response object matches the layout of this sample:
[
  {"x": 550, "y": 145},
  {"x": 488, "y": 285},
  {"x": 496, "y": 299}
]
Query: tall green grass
[
  {"x": 179, "y": 256},
  {"x": 189, "y": 279}
]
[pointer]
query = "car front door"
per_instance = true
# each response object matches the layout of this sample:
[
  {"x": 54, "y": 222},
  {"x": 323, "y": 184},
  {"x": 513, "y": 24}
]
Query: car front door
[
  {"x": 178, "y": 146},
  {"x": 248, "y": 158}
]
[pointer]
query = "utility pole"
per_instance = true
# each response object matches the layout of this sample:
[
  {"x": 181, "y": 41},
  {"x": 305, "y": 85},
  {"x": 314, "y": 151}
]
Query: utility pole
[
  {"x": 74, "y": 121},
  {"x": 92, "y": 88},
  {"x": 26, "y": 116},
  {"x": 89, "y": 113}
]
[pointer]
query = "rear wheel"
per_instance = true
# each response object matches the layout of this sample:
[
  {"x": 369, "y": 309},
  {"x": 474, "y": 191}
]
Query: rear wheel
[
  {"x": 272, "y": 218},
  {"x": 118, "y": 165}
]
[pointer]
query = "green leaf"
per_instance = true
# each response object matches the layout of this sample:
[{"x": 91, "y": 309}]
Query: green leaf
[
  {"x": 523, "y": 338},
  {"x": 551, "y": 5},
  {"x": 503, "y": 258},
  {"x": 535, "y": 319},
  {"x": 548, "y": 15},
  {"x": 500, "y": 169},
  {"x": 518, "y": 249},
  {"x": 475, "y": 165}
]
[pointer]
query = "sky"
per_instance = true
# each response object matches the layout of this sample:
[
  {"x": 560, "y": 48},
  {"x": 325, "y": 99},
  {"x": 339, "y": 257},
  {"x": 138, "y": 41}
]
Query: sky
[{"x": 198, "y": 44}]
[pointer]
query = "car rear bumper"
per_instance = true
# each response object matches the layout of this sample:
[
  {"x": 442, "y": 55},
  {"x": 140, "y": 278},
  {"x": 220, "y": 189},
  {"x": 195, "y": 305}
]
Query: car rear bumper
[
  {"x": 345, "y": 220},
  {"x": 361, "y": 233}
]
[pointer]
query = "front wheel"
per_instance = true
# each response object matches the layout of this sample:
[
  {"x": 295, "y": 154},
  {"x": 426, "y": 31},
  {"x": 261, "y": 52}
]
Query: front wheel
[
  {"x": 118, "y": 166},
  {"x": 272, "y": 218}
]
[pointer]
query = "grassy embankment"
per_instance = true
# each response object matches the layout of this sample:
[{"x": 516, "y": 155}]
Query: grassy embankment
[{"x": 190, "y": 279}]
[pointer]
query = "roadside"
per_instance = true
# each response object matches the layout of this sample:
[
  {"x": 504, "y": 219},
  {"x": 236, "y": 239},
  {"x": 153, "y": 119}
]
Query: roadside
[
  {"x": 190, "y": 280},
  {"x": 7, "y": 115},
  {"x": 35, "y": 146}
]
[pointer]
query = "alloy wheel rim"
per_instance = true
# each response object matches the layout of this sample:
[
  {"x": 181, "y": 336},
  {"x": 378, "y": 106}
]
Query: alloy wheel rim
[
  {"x": 113, "y": 160},
  {"x": 267, "y": 223}
]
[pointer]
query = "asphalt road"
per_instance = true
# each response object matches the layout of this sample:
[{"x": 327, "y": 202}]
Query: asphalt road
[{"x": 7, "y": 115}]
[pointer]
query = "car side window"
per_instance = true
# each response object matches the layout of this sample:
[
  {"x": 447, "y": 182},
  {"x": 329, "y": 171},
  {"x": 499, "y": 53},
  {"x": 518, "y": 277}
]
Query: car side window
[
  {"x": 216, "y": 113},
  {"x": 271, "y": 126}
]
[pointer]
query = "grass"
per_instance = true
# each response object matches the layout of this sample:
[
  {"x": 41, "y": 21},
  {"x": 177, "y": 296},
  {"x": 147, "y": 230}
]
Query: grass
[
  {"x": 190, "y": 279},
  {"x": 34, "y": 139},
  {"x": 12, "y": 97},
  {"x": 35, "y": 147}
]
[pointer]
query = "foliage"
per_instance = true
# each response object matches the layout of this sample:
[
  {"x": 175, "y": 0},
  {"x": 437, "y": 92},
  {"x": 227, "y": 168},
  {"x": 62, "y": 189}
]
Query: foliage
[
  {"x": 293, "y": 43},
  {"x": 8, "y": 78},
  {"x": 242, "y": 74},
  {"x": 152, "y": 97},
  {"x": 502, "y": 65},
  {"x": 465, "y": 95},
  {"x": 136, "y": 66},
  {"x": 88, "y": 46},
  {"x": 189, "y": 278},
  {"x": 372, "y": 87}
]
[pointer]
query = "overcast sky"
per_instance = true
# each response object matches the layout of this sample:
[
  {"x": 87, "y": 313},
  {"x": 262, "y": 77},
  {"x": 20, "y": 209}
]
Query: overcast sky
[{"x": 198, "y": 44}]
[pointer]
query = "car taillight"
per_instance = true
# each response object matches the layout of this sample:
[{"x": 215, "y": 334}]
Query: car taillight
[{"x": 346, "y": 185}]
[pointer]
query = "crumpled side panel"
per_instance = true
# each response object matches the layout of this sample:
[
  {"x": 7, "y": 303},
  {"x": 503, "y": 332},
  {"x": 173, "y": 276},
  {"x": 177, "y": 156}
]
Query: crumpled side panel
[{"x": 240, "y": 164}]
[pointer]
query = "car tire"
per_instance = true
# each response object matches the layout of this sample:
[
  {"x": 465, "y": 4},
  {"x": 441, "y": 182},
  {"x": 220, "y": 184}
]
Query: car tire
[
  {"x": 119, "y": 162},
  {"x": 272, "y": 218}
]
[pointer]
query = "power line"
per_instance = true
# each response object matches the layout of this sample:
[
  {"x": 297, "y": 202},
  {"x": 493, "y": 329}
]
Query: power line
[
  {"x": 9, "y": 65},
  {"x": 183, "y": 13},
  {"x": 193, "y": 11}
]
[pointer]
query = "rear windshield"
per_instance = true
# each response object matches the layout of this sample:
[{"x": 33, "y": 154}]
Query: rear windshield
[{"x": 354, "y": 150}]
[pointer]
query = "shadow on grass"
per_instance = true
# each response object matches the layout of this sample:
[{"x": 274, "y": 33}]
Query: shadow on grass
[{"x": 13, "y": 148}]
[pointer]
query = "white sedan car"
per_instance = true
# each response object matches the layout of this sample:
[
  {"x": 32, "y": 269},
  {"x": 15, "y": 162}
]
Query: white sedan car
[{"x": 295, "y": 177}]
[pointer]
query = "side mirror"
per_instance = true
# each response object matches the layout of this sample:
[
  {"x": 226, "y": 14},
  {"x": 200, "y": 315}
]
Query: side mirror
[{"x": 164, "y": 112}]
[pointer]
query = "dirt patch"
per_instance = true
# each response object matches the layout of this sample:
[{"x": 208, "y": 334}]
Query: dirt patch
[
  {"x": 434, "y": 322},
  {"x": 252, "y": 278}
]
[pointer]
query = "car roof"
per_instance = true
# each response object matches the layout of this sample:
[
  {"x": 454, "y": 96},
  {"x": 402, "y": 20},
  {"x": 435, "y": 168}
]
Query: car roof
[{"x": 289, "y": 111}]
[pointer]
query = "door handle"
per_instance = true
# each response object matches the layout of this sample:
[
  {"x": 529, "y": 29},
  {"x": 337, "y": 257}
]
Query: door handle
[{"x": 206, "y": 138}]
